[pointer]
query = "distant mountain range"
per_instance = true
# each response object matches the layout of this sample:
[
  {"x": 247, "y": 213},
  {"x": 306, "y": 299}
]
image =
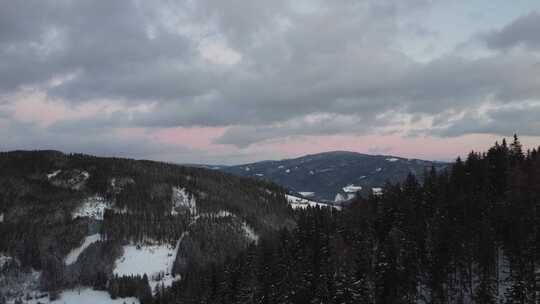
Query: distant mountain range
[{"x": 334, "y": 176}]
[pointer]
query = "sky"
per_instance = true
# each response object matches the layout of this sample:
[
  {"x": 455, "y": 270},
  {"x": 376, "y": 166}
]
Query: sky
[{"x": 229, "y": 82}]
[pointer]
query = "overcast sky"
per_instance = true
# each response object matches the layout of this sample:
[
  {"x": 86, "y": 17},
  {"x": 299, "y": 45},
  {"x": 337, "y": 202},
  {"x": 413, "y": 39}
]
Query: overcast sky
[{"x": 228, "y": 82}]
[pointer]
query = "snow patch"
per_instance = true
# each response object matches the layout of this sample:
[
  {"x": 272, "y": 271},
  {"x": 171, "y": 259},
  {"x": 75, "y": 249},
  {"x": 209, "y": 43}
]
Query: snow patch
[
  {"x": 259, "y": 174},
  {"x": 378, "y": 169},
  {"x": 156, "y": 261},
  {"x": 219, "y": 214},
  {"x": 392, "y": 159},
  {"x": 74, "y": 254},
  {"x": 362, "y": 177},
  {"x": 1, "y": 217},
  {"x": 326, "y": 170},
  {"x": 92, "y": 207},
  {"x": 248, "y": 169},
  {"x": 84, "y": 296},
  {"x": 288, "y": 171},
  {"x": 352, "y": 188},
  {"x": 182, "y": 198},
  {"x": 311, "y": 172},
  {"x": 307, "y": 194},
  {"x": 4, "y": 259},
  {"x": 281, "y": 167},
  {"x": 377, "y": 191},
  {"x": 53, "y": 174},
  {"x": 250, "y": 233},
  {"x": 298, "y": 202},
  {"x": 343, "y": 197}
]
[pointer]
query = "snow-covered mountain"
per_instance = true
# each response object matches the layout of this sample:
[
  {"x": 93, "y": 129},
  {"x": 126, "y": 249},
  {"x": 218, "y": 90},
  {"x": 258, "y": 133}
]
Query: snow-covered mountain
[
  {"x": 73, "y": 223},
  {"x": 334, "y": 176}
]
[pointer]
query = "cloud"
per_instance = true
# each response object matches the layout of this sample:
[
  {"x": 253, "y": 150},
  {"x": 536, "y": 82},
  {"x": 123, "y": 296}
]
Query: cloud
[
  {"x": 262, "y": 72},
  {"x": 519, "y": 118},
  {"x": 523, "y": 31}
]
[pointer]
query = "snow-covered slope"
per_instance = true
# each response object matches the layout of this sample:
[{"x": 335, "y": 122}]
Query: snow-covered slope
[
  {"x": 154, "y": 260},
  {"x": 75, "y": 253}
]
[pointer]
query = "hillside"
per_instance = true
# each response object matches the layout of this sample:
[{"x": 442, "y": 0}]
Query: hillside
[
  {"x": 468, "y": 234},
  {"x": 334, "y": 176},
  {"x": 123, "y": 226}
]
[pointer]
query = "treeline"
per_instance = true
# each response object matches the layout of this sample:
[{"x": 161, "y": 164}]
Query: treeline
[
  {"x": 130, "y": 286},
  {"x": 469, "y": 234}
]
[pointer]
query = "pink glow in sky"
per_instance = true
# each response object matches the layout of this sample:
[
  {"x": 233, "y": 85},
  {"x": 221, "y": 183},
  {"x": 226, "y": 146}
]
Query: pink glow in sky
[{"x": 207, "y": 82}]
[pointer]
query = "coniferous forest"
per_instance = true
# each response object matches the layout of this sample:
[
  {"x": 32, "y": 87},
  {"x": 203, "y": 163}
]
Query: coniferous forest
[{"x": 468, "y": 234}]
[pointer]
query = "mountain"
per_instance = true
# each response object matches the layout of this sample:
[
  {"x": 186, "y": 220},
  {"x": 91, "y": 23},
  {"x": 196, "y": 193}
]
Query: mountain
[
  {"x": 334, "y": 176},
  {"x": 122, "y": 226}
]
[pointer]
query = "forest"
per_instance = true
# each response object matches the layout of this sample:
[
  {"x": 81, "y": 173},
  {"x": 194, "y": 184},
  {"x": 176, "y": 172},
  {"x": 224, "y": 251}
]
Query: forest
[{"x": 469, "y": 234}]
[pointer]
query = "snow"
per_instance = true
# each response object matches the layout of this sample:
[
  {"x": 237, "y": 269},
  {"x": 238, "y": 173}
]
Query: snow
[
  {"x": 288, "y": 171},
  {"x": 84, "y": 296},
  {"x": 250, "y": 233},
  {"x": 1, "y": 217},
  {"x": 182, "y": 198},
  {"x": 74, "y": 254},
  {"x": 92, "y": 207},
  {"x": 219, "y": 214},
  {"x": 311, "y": 172},
  {"x": 326, "y": 170},
  {"x": 4, "y": 259},
  {"x": 392, "y": 159},
  {"x": 298, "y": 202},
  {"x": 259, "y": 174},
  {"x": 377, "y": 191},
  {"x": 352, "y": 188},
  {"x": 307, "y": 194},
  {"x": 281, "y": 167},
  {"x": 339, "y": 198},
  {"x": 247, "y": 169},
  {"x": 378, "y": 169},
  {"x": 343, "y": 197},
  {"x": 53, "y": 174},
  {"x": 154, "y": 260},
  {"x": 362, "y": 177}
]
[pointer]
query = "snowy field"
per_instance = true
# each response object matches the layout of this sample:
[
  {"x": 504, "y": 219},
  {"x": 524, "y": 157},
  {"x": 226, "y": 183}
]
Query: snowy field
[
  {"x": 85, "y": 296},
  {"x": 156, "y": 261},
  {"x": 75, "y": 253}
]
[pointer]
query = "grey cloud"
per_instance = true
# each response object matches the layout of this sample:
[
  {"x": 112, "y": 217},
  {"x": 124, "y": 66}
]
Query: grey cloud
[
  {"x": 522, "y": 31},
  {"x": 505, "y": 121},
  {"x": 339, "y": 59},
  {"x": 244, "y": 136}
]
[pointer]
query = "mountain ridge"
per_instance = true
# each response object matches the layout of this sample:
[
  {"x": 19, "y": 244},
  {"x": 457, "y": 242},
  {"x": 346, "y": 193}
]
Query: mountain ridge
[{"x": 334, "y": 176}]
